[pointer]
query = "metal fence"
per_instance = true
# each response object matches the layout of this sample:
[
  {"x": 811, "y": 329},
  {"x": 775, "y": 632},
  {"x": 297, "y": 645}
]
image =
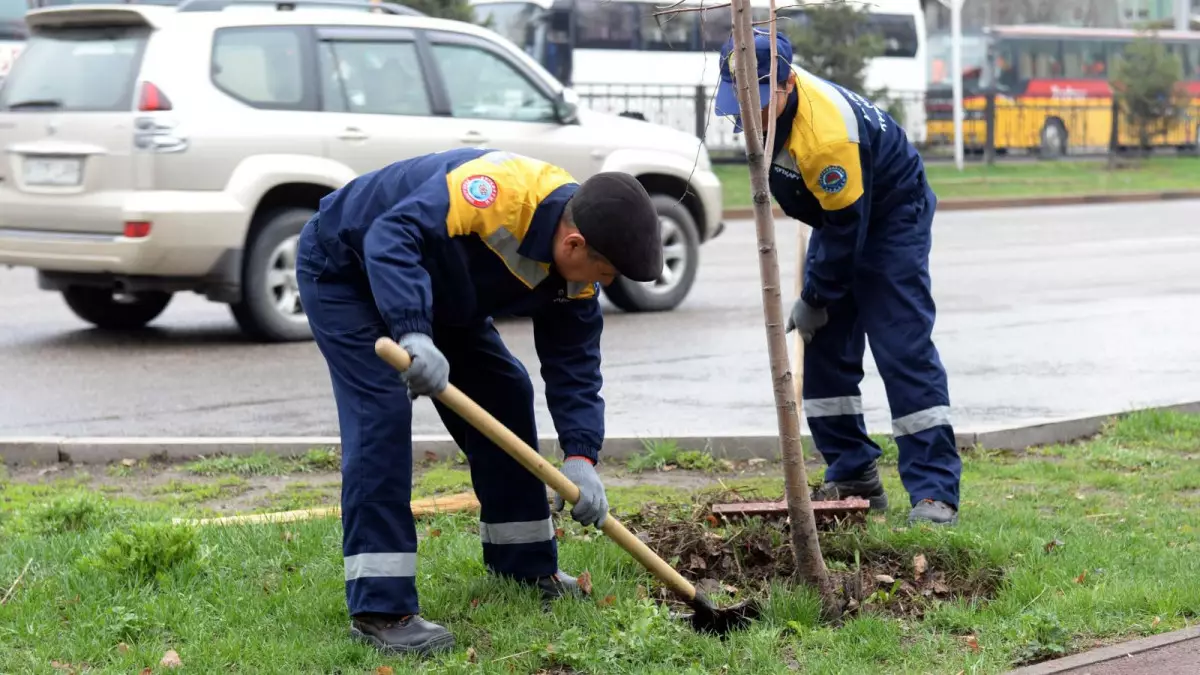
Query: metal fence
[{"x": 1062, "y": 127}]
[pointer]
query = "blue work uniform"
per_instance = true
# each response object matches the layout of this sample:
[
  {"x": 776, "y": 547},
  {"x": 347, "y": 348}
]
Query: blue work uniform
[
  {"x": 845, "y": 167},
  {"x": 441, "y": 244}
]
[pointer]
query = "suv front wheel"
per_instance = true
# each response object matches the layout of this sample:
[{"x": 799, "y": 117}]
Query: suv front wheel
[
  {"x": 270, "y": 308},
  {"x": 109, "y": 310},
  {"x": 681, "y": 258}
]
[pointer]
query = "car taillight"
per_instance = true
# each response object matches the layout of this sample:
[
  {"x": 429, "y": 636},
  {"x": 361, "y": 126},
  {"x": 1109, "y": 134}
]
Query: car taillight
[
  {"x": 137, "y": 229},
  {"x": 153, "y": 99}
]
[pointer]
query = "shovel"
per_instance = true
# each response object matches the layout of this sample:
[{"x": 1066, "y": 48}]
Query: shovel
[{"x": 706, "y": 618}]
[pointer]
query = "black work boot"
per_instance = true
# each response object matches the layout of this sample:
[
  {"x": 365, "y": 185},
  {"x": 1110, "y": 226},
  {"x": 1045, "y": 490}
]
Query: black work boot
[
  {"x": 401, "y": 635},
  {"x": 556, "y": 586},
  {"x": 867, "y": 486}
]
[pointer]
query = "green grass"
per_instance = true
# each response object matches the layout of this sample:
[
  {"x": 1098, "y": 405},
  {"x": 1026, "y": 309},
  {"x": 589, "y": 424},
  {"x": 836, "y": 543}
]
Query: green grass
[
  {"x": 1021, "y": 179},
  {"x": 263, "y": 464},
  {"x": 112, "y": 585},
  {"x": 666, "y": 454}
]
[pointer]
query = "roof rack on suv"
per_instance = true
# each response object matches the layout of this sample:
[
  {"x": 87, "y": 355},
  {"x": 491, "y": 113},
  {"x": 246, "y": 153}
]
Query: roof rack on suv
[{"x": 288, "y": 5}]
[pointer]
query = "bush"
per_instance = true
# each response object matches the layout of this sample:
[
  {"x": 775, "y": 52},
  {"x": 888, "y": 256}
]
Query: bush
[
  {"x": 75, "y": 513},
  {"x": 146, "y": 551}
]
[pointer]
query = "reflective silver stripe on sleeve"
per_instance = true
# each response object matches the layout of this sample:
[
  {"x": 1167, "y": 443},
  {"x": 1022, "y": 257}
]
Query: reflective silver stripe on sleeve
[
  {"x": 529, "y": 271},
  {"x": 525, "y": 532},
  {"x": 381, "y": 565},
  {"x": 921, "y": 420},
  {"x": 499, "y": 156},
  {"x": 832, "y": 407}
]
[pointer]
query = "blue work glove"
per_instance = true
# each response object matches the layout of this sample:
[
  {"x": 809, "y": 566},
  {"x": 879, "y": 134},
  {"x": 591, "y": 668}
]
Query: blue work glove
[
  {"x": 592, "y": 507},
  {"x": 806, "y": 319},
  {"x": 430, "y": 372}
]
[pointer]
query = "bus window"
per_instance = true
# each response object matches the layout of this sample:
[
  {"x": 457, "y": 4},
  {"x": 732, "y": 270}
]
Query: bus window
[
  {"x": 12, "y": 19},
  {"x": 1039, "y": 60},
  {"x": 601, "y": 24},
  {"x": 1084, "y": 60},
  {"x": 715, "y": 27},
  {"x": 899, "y": 33},
  {"x": 675, "y": 32},
  {"x": 510, "y": 19},
  {"x": 1008, "y": 78}
]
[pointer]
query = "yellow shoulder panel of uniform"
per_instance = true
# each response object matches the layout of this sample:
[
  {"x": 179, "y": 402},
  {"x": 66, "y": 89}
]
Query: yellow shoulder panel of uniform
[
  {"x": 833, "y": 173},
  {"x": 578, "y": 291},
  {"x": 824, "y": 116},
  {"x": 495, "y": 196}
]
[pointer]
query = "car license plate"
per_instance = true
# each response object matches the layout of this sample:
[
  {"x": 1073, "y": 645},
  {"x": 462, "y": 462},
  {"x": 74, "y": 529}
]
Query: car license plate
[{"x": 56, "y": 171}]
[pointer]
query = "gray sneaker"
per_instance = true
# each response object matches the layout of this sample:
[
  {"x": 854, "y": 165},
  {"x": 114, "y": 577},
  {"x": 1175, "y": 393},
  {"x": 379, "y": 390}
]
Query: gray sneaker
[
  {"x": 867, "y": 486},
  {"x": 937, "y": 513},
  {"x": 407, "y": 635}
]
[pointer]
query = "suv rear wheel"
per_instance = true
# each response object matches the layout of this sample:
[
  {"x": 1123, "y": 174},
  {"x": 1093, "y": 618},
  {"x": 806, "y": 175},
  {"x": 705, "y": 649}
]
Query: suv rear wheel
[
  {"x": 109, "y": 310},
  {"x": 270, "y": 308},
  {"x": 681, "y": 257}
]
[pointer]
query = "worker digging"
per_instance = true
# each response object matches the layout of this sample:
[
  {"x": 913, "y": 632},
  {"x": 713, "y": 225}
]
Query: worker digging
[
  {"x": 429, "y": 250},
  {"x": 846, "y": 168}
]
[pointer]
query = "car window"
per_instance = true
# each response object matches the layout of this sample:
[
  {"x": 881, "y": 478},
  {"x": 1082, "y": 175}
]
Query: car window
[
  {"x": 76, "y": 69},
  {"x": 260, "y": 66},
  {"x": 481, "y": 85},
  {"x": 373, "y": 78}
]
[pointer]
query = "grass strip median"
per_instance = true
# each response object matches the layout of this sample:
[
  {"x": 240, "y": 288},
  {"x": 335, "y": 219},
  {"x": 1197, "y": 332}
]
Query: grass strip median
[
  {"x": 1023, "y": 179},
  {"x": 1060, "y": 549}
]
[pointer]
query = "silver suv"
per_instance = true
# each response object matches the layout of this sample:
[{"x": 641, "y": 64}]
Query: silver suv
[{"x": 149, "y": 150}]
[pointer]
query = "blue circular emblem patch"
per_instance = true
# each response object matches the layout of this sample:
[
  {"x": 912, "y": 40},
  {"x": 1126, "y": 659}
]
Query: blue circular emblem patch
[
  {"x": 833, "y": 179},
  {"x": 479, "y": 191}
]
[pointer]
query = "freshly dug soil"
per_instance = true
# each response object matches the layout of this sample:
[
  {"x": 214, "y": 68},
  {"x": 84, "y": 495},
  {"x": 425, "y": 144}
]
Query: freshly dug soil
[{"x": 744, "y": 557}]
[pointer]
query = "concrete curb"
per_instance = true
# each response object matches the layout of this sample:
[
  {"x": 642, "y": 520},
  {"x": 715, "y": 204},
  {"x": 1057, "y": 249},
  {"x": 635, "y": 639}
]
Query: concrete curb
[
  {"x": 746, "y": 213},
  {"x": 85, "y": 450},
  {"x": 1118, "y": 651}
]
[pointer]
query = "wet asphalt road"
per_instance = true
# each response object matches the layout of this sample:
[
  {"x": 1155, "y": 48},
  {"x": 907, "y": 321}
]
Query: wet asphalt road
[{"x": 1043, "y": 313}]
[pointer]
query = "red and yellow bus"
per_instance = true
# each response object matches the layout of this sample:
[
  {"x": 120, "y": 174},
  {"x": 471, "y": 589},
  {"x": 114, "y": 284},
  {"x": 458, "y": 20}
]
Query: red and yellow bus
[{"x": 1053, "y": 91}]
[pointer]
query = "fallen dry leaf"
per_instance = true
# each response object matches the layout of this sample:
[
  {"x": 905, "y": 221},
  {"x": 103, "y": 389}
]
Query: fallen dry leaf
[
  {"x": 1082, "y": 575},
  {"x": 471, "y": 656},
  {"x": 474, "y": 603},
  {"x": 435, "y": 532},
  {"x": 147, "y": 671},
  {"x": 607, "y": 600},
  {"x": 128, "y": 462},
  {"x": 729, "y": 589},
  {"x": 1155, "y": 622},
  {"x": 558, "y": 532},
  {"x": 585, "y": 582},
  {"x": 123, "y": 648},
  {"x": 430, "y": 456},
  {"x": 669, "y": 467},
  {"x": 642, "y": 593},
  {"x": 1052, "y": 544},
  {"x": 286, "y": 536},
  {"x": 972, "y": 643},
  {"x": 712, "y": 520},
  {"x": 170, "y": 659},
  {"x": 919, "y": 565},
  {"x": 384, "y": 670},
  {"x": 885, "y": 579},
  {"x": 550, "y": 648}
]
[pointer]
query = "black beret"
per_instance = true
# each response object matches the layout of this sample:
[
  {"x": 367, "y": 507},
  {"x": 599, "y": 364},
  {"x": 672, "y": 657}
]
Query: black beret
[{"x": 614, "y": 214}]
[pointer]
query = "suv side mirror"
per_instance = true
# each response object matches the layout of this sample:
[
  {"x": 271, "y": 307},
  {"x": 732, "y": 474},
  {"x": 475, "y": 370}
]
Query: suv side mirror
[{"x": 566, "y": 106}]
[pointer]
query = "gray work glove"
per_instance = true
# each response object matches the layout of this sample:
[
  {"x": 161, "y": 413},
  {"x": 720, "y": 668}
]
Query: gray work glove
[
  {"x": 807, "y": 319},
  {"x": 430, "y": 372},
  {"x": 592, "y": 507}
]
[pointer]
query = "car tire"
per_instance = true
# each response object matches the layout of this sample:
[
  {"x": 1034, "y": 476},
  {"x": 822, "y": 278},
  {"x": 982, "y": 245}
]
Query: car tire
[
  {"x": 681, "y": 259},
  {"x": 270, "y": 310},
  {"x": 108, "y": 310}
]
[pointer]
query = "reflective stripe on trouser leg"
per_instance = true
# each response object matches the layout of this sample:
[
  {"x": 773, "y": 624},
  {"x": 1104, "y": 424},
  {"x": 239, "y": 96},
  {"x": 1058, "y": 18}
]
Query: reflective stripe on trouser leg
[
  {"x": 379, "y": 540},
  {"x": 899, "y": 313},
  {"x": 515, "y": 529},
  {"x": 832, "y": 404}
]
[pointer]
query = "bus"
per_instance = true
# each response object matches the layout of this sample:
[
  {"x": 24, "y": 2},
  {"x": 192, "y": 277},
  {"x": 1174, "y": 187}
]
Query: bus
[
  {"x": 621, "y": 47},
  {"x": 12, "y": 33},
  {"x": 1053, "y": 94}
]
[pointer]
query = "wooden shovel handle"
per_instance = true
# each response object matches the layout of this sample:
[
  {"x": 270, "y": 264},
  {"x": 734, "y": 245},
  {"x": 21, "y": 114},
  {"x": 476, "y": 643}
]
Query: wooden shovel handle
[{"x": 452, "y": 397}]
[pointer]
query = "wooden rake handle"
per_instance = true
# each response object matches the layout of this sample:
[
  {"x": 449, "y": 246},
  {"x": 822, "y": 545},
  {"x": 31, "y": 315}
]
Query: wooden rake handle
[{"x": 453, "y": 398}]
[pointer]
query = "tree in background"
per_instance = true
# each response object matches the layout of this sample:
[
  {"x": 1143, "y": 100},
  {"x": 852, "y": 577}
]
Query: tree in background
[
  {"x": 459, "y": 10},
  {"x": 833, "y": 41},
  {"x": 1145, "y": 80}
]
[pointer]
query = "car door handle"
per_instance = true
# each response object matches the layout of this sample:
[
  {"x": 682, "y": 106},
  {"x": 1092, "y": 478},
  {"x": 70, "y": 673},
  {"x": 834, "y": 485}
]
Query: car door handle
[
  {"x": 473, "y": 137},
  {"x": 353, "y": 134}
]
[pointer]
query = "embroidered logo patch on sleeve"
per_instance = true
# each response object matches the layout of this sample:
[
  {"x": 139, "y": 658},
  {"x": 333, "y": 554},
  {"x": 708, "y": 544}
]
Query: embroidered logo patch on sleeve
[
  {"x": 833, "y": 179},
  {"x": 479, "y": 191}
]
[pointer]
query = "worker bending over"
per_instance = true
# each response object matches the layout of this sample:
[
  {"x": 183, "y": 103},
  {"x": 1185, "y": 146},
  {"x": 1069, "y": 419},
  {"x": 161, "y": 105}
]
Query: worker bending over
[
  {"x": 845, "y": 167},
  {"x": 427, "y": 251}
]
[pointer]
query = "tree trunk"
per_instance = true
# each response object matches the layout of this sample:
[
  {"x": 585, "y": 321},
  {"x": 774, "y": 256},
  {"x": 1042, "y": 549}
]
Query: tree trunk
[{"x": 810, "y": 565}]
